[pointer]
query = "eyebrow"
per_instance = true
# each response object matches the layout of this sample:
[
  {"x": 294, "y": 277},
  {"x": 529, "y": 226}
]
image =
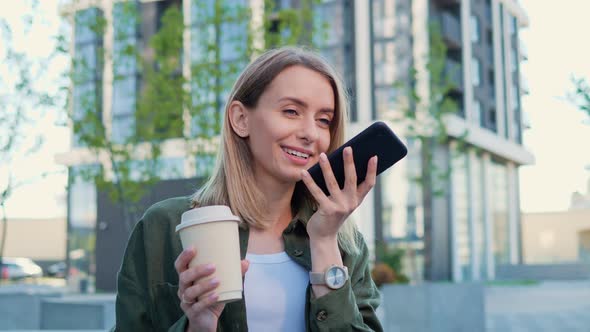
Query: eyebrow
[{"x": 304, "y": 104}]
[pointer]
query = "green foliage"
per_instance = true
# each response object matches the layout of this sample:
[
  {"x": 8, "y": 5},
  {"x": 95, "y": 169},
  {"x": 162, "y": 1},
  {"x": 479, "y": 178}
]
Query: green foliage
[
  {"x": 291, "y": 26},
  {"x": 392, "y": 257},
  {"x": 581, "y": 95},
  {"x": 22, "y": 103},
  {"x": 424, "y": 117},
  {"x": 168, "y": 97}
]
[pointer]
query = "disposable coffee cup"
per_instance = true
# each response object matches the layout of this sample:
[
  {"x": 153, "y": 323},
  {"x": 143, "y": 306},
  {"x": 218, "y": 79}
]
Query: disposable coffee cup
[{"x": 213, "y": 232}]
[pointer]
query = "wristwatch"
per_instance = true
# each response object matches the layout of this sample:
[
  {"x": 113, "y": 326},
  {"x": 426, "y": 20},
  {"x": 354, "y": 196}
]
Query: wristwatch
[{"x": 335, "y": 277}]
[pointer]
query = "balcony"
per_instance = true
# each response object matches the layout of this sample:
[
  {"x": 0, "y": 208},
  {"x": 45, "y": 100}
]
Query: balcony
[
  {"x": 444, "y": 3},
  {"x": 451, "y": 30}
]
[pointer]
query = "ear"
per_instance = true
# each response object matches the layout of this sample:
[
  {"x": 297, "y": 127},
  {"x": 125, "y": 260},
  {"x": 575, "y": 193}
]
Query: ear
[{"x": 238, "y": 118}]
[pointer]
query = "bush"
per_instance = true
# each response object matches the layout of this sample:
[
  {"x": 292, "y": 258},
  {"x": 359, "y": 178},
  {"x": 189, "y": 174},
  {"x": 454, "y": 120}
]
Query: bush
[
  {"x": 382, "y": 274},
  {"x": 389, "y": 259}
]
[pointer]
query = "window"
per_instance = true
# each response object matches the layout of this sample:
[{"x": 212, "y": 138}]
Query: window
[
  {"x": 212, "y": 80},
  {"x": 82, "y": 201},
  {"x": 87, "y": 70},
  {"x": 475, "y": 72},
  {"x": 499, "y": 194},
  {"x": 125, "y": 78},
  {"x": 402, "y": 212},
  {"x": 334, "y": 20},
  {"x": 460, "y": 206},
  {"x": 477, "y": 112},
  {"x": 474, "y": 29},
  {"x": 478, "y": 206}
]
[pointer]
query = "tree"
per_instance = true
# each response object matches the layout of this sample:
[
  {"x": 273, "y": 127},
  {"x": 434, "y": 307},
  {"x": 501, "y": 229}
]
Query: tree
[
  {"x": 223, "y": 39},
  {"x": 22, "y": 101},
  {"x": 581, "y": 98},
  {"x": 581, "y": 95},
  {"x": 423, "y": 120}
]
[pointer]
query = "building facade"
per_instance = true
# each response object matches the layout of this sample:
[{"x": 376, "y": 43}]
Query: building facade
[{"x": 459, "y": 234}]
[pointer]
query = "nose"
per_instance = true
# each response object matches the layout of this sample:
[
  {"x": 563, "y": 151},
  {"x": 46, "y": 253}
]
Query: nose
[{"x": 308, "y": 130}]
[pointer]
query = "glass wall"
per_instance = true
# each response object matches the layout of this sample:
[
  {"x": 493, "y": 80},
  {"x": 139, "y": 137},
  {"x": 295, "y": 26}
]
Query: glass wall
[
  {"x": 478, "y": 207},
  {"x": 515, "y": 87},
  {"x": 499, "y": 194},
  {"x": 81, "y": 223},
  {"x": 334, "y": 20},
  {"x": 460, "y": 206},
  {"x": 402, "y": 211},
  {"x": 392, "y": 52},
  {"x": 215, "y": 69},
  {"x": 88, "y": 65},
  {"x": 125, "y": 74}
]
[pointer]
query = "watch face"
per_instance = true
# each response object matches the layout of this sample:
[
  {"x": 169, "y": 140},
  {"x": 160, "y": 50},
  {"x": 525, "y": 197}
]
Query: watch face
[{"x": 335, "y": 277}]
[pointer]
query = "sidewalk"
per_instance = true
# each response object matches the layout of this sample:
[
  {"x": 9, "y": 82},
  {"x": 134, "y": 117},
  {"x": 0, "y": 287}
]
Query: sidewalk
[{"x": 548, "y": 306}]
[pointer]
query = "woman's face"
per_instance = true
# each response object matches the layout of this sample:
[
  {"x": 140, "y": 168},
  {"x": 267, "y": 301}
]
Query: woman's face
[{"x": 290, "y": 126}]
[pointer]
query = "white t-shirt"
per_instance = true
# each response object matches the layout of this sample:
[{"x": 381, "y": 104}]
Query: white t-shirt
[{"x": 274, "y": 291}]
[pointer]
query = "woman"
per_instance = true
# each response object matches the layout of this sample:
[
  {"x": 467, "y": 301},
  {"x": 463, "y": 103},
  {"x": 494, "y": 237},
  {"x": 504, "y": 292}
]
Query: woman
[{"x": 287, "y": 109}]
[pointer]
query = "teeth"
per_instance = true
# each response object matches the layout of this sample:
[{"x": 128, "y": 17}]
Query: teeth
[{"x": 296, "y": 153}]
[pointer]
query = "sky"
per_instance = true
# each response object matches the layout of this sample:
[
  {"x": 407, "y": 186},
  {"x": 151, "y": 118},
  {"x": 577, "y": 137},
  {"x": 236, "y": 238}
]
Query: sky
[
  {"x": 560, "y": 142},
  {"x": 557, "y": 43},
  {"x": 42, "y": 197}
]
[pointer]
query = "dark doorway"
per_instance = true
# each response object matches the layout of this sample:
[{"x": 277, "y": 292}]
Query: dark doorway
[{"x": 112, "y": 235}]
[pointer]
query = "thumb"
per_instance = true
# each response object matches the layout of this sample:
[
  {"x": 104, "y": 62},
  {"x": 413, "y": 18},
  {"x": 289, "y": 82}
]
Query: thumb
[{"x": 245, "y": 265}]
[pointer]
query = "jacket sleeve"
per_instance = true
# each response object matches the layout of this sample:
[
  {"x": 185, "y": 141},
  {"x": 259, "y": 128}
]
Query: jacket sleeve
[
  {"x": 352, "y": 307},
  {"x": 132, "y": 307}
]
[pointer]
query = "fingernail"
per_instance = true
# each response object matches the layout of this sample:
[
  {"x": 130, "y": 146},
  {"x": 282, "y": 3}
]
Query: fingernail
[
  {"x": 348, "y": 149},
  {"x": 304, "y": 173},
  {"x": 214, "y": 281},
  {"x": 213, "y": 296},
  {"x": 323, "y": 156},
  {"x": 210, "y": 267}
]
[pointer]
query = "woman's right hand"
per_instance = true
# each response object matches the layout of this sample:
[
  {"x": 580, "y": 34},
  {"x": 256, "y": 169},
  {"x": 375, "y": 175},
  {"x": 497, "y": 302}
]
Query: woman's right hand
[{"x": 195, "y": 291}]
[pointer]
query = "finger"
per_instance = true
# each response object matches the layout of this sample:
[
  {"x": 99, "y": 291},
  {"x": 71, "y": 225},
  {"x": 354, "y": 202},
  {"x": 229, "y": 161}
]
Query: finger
[
  {"x": 331, "y": 183},
  {"x": 313, "y": 188},
  {"x": 200, "y": 290},
  {"x": 181, "y": 262},
  {"x": 245, "y": 264},
  {"x": 370, "y": 179},
  {"x": 349, "y": 170},
  {"x": 208, "y": 301},
  {"x": 192, "y": 275}
]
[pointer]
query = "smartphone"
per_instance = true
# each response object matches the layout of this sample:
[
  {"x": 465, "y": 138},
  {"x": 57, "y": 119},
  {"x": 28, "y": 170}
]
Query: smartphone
[{"x": 377, "y": 139}]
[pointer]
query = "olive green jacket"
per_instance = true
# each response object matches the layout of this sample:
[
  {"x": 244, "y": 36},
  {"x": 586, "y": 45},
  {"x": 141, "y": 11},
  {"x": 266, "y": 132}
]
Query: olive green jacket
[{"x": 147, "y": 283}]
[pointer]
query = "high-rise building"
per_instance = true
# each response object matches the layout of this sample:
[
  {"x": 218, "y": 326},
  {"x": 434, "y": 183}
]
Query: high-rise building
[{"x": 458, "y": 227}]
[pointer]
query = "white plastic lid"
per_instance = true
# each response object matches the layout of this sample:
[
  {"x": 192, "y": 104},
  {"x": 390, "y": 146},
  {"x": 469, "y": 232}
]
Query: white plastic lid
[{"x": 205, "y": 214}]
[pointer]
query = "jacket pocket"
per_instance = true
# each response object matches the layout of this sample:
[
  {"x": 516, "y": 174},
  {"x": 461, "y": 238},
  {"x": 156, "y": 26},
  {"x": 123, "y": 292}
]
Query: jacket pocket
[{"x": 166, "y": 306}]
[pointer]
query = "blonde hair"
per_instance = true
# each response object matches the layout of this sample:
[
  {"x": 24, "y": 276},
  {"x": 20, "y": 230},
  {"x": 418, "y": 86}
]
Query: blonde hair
[{"x": 232, "y": 182}]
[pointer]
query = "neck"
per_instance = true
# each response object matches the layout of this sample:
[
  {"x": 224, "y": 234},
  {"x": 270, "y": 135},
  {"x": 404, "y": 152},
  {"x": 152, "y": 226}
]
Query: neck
[{"x": 278, "y": 198}]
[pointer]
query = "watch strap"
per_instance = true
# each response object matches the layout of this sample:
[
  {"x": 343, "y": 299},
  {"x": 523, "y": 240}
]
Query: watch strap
[{"x": 319, "y": 278}]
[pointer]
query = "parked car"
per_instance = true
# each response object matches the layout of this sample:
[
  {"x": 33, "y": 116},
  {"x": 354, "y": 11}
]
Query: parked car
[
  {"x": 57, "y": 270},
  {"x": 19, "y": 268}
]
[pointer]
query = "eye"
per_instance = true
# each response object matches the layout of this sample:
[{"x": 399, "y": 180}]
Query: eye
[
  {"x": 325, "y": 121},
  {"x": 290, "y": 112}
]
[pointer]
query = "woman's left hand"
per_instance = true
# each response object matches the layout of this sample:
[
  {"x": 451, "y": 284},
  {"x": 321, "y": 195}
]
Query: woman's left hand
[{"x": 334, "y": 209}]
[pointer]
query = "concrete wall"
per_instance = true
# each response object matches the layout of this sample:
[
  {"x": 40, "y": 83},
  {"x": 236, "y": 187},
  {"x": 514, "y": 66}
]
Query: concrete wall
[
  {"x": 430, "y": 307},
  {"x": 46, "y": 308},
  {"x": 571, "y": 271},
  {"x": 39, "y": 239},
  {"x": 553, "y": 237}
]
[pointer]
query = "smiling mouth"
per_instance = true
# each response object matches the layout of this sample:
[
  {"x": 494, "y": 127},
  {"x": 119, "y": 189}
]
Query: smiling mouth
[{"x": 296, "y": 153}]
